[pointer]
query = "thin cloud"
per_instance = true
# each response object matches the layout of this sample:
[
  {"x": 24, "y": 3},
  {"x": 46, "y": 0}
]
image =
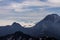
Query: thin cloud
[{"x": 32, "y": 10}]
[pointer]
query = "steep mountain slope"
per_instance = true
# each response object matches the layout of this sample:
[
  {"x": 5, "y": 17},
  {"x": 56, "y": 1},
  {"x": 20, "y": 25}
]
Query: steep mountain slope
[
  {"x": 50, "y": 26},
  {"x": 16, "y": 36},
  {"x": 21, "y": 36}
]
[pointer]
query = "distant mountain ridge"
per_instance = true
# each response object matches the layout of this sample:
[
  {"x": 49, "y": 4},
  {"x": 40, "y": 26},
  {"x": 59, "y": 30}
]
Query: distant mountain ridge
[
  {"x": 50, "y": 26},
  {"x": 21, "y": 36},
  {"x": 15, "y": 36}
]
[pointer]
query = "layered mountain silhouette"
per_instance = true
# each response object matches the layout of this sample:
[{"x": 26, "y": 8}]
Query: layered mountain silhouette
[
  {"x": 17, "y": 36},
  {"x": 49, "y": 26},
  {"x": 21, "y": 36}
]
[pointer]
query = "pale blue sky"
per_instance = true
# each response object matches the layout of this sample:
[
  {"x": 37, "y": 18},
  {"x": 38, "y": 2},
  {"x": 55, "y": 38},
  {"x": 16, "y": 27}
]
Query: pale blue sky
[{"x": 27, "y": 11}]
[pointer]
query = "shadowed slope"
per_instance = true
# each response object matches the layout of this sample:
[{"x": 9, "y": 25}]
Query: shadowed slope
[{"x": 50, "y": 26}]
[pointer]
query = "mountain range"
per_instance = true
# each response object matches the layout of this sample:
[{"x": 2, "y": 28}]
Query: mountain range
[
  {"x": 49, "y": 26},
  {"x": 21, "y": 36}
]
